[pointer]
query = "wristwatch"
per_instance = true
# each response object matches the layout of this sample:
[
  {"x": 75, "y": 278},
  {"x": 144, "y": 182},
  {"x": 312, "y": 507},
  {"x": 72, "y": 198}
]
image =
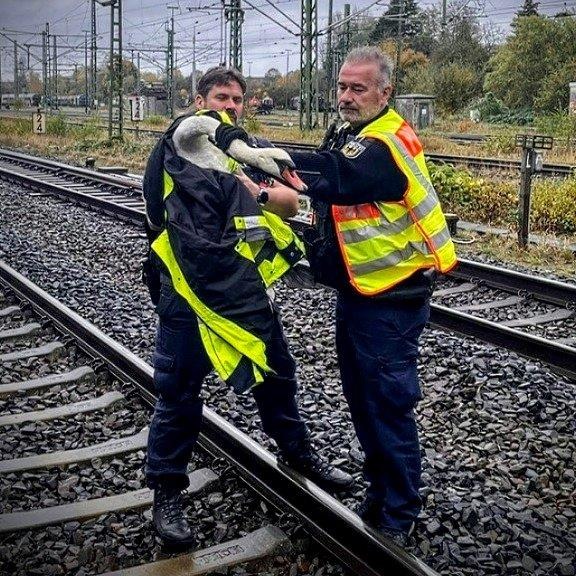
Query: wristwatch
[{"x": 262, "y": 197}]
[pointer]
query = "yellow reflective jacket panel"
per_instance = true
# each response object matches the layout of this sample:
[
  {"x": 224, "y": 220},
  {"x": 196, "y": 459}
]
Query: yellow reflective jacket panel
[
  {"x": 384, "y": 243},
  {"x": 224, "y": 281}
]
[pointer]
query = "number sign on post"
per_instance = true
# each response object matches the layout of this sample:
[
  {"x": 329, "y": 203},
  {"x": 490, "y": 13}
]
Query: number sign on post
[
  {"x": 39, "y": 122},
  {"x": 136, "y": 109}
]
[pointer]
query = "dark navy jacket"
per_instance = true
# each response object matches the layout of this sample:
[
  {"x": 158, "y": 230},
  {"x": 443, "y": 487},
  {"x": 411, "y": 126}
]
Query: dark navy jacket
[{"x": 335, "y": 178}]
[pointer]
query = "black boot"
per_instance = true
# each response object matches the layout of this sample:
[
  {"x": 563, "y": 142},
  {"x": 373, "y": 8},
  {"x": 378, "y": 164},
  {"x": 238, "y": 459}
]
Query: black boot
[
  {"x": 370, "y": 510},
  {"x": 169, "y": 519},
  {"x": 317, "y": 469}
]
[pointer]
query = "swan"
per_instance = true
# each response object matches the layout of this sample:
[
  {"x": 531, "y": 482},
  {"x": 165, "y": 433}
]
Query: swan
[{"x": 209, "y": 139}]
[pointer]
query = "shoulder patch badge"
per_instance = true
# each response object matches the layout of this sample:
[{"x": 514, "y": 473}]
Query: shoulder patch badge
[{"x": 353, "y": 149}]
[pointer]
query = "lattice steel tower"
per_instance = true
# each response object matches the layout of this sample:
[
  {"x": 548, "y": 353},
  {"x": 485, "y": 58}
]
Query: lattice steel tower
[
  {"x": 115, "y": 103},
  {"x": 308, "y": 66},
  {"x": 93, "y": 56},
  {"x": 235, "y": 17}
]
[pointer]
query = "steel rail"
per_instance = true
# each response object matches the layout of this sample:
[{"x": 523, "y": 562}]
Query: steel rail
[
  {"x": 544, "y": 289},
  {"x": 559, "y": 356},
  {"x": 332, "y": 524},
  {"x": 549, "y": 169},
  {"x": 102, "y": 178},
  {"x": 102, "y": 204}
]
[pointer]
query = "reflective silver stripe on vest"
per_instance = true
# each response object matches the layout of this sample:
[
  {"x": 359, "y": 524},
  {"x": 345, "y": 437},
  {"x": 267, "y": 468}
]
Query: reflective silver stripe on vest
[
  {"x": 254, "y": 230},
  {"x": 256, "y": 234},
  {"x": 368, "y": 232},
  {"x": 440, "y": 238},
  {"x": 412, "y": 164},
  {"x": 394, "y": 258},
  {"x": 252, "y": 221},
  {"x": 425, "y": 207}
]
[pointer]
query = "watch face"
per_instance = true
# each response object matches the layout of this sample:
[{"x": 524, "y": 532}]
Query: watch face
[{"x": 262, "y": 197}]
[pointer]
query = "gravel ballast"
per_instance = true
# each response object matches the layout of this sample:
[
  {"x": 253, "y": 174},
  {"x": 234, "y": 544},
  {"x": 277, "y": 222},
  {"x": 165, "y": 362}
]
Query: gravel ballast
[{"x": 497, "y": 430}]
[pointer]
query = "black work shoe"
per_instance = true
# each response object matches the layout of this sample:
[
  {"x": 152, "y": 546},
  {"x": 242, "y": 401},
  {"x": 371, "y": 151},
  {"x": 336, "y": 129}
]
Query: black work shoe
[
  {"x": 399, "y": 537},
  {"x": 370, "y": 510},
  {"x": 320, "y": 471},
  {"x": 169, "y": 519}
]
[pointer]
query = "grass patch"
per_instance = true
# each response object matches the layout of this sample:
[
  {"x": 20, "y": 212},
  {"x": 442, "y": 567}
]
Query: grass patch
[{"x": 544, "y": 258}]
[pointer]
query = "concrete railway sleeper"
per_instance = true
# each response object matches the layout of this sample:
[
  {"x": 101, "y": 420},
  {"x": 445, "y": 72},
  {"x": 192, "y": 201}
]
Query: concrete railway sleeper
[
  {"x": 498, "y": 438},
  {"x": 71, "y": 358}
]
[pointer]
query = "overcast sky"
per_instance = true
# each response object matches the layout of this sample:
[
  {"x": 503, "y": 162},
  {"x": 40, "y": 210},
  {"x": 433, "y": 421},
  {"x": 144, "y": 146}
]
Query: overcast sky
[{"x": 269, "y": 39}]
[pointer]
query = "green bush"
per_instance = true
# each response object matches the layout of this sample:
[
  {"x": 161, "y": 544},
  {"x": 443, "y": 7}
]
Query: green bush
[
  {"x": 553, "y": 206},
  {"x": 57, "y": 125},
  {"x": 560, "y": 125}
]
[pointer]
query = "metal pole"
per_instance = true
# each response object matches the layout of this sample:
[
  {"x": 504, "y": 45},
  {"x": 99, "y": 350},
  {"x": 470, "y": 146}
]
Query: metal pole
[
  {"x": 526, "y": 171},
  {"x": 328, "y": 68},
  {"x": 48, "y": 68},
  {"x": 194, "y": 61},
  {"x": 93, "y": 56},
  {"x": 138, "y": 78},
  {"x": 16, "y": 79},
  {"x": 308, "y": 52},
  {"x": 346, "y": 28},
  {"x": 225, "y": 35},
  {"x": 286, "y": 78},
  {"x": 111, "y": 83},
  {"x": 398, "y": 48},
  {"x": 85, "y": 72},
  {"x": 1, "y": 55},
  {"x": 44, "y": 68},
  {"x": 170, "y": 65},
  {"x": 55, "y": 73}
]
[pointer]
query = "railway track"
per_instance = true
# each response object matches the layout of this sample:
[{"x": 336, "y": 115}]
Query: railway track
[
  {"x": 548, "y": 169},
  {"x": 74, "y": 408},
  {"x": 529, "y": 315},
  {"x": 557, "y": 170}
]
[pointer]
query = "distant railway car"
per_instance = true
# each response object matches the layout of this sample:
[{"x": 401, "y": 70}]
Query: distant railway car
[{"x": 25, "y": 100}]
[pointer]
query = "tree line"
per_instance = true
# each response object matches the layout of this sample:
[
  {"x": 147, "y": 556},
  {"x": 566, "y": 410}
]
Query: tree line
[{"x": 455, "y": 56}]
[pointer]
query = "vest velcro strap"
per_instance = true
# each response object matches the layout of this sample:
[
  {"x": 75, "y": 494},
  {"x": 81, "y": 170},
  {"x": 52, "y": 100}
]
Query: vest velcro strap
[
  {"x": 267, "y": 252},
  {"x": 291, "y": 253}
]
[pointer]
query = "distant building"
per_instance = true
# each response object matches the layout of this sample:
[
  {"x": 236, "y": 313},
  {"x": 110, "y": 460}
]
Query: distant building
[
  {"x": 416, "y": 109},
  {"x": 154, "y": 99}
]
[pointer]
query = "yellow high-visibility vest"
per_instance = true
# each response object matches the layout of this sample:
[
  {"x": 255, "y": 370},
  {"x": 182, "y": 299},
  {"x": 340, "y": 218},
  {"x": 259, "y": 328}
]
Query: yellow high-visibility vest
[
  {"x": 238, "y": 356},
  {"x": 383, "y": 243}
]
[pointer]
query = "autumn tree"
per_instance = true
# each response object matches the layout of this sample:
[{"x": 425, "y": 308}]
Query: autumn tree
[
  {"x": 529, "y": 8},
  {"x": 530, "y": 68}
]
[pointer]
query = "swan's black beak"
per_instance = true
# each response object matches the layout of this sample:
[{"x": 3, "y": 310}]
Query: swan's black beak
[{"x": 290, "y": 177}]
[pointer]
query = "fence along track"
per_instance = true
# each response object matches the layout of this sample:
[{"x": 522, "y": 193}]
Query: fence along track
[{"x": 332, "y": 524}]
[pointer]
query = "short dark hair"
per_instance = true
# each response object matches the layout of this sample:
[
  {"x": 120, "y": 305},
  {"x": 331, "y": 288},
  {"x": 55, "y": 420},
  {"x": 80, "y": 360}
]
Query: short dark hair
[{"x": 219, "y": 76}]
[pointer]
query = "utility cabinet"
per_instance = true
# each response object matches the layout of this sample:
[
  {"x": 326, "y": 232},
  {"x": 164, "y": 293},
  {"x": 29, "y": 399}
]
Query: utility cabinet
[{"x": 416, "y": 109}]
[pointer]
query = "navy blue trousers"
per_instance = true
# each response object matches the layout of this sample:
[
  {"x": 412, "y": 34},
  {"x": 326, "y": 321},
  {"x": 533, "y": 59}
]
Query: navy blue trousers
[
  {"x": 377, "y": 345},
  {"x": 180, "y": 365}
]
